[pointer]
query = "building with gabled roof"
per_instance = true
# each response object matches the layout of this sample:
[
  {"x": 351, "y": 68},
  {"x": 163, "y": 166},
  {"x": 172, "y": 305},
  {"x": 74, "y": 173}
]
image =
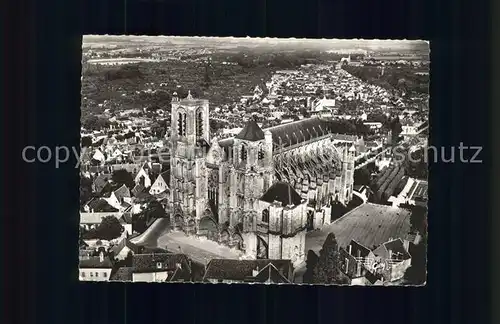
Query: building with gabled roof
[
  {"x": 394, "y": 258},
  {"x": 161, "y": 183},
  {"x": 95, "y": 268},
  {"x": 160, "y": 267},
  {"x": 248, "y": 271}
]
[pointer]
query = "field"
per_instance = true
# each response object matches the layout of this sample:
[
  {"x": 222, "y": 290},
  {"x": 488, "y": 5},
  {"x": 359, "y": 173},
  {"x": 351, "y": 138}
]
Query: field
[{"x": 369, "y": 224}]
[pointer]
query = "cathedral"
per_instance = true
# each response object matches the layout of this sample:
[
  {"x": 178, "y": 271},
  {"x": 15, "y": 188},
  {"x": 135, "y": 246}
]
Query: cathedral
[{"x": 261, "y": 191}]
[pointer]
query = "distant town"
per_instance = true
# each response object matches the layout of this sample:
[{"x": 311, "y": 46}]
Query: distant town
[{"x": 253, "y": 161}]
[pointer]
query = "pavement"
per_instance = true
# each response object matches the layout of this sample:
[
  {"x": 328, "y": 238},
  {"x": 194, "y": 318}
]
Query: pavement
[
  {"x": 151, "y": 235},
  {"x": 198, "y": 249}
]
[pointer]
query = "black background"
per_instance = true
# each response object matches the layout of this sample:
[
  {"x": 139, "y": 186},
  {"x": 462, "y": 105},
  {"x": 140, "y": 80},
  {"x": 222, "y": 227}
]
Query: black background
[{"x": 41, "y": 99}]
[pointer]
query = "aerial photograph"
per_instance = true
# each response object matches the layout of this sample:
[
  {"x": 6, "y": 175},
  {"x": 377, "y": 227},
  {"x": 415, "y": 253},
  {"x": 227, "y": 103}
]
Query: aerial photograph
[{"x": 254, "y": 160}]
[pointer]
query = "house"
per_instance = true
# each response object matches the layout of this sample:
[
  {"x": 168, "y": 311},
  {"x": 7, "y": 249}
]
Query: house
[
  {"x": 137, "y": 190},
  {"x": 394, "y": 258},
  {"x": 142, "y": 177},
  {"x": 99, "y": 156},
  {"x": 126, "y": 221},
  {"x": 238, "y": 271},
  {"x": 100, "y": 182},
  {"x": 123, "y": 194},
  {"x": 122, "y": 274},
  {"x": 123, "y": 248},
  {"x": 112, "y": 200},
  {"x": 161, "y": 183},
  {"x": 161, "y": 267},
  {"x": 95, "y": 268},
  {"x": 357, "y": 262}
]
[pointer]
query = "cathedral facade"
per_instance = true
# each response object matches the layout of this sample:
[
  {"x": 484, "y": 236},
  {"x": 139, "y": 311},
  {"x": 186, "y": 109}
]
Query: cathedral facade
[{"x": 262, "y": 190}]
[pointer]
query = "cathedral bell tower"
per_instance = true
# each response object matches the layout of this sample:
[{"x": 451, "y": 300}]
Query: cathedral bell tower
[
  {"x": 189, "y": 138},
  {"x": 347, "y": 179},
  {"x": 251, "y": 174}
]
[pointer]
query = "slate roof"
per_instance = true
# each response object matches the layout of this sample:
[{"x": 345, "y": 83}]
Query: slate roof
[
  {"x": 142, "y": 263},
  {"x": 271, "y": 274},
  {"x": 138, "y": 189},
  {"x": 396, "y": 246},
  {"x": 166, "y": 177},
  {"x": 118, "y": 247},
  {"x": 358, "y": 250},
  {"x": 251, "y": 132},
  {"x": 122, "y": 274},
  {"x": 95, "y": 263},
  {"x": 101, "y": 181},
  {"x": 302, "y": 130},
  {"x": 298, "y": 131},
  {"x": 282, "y": 192},
  {"x": 372, "y": 278},
  {"x": 122, "y": 192},
  {"x": 180, "y": 274},
  {"x": 242, "y": 270}
]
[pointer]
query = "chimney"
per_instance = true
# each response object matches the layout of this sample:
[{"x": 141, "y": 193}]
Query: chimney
[
  {"x": 101, "y": 257},
  {"x": 349, "y": 249},
  {"x": 358, "y": 269},
  {"x": 255, "y": 272},
  {"x": 390, "y": 254}
]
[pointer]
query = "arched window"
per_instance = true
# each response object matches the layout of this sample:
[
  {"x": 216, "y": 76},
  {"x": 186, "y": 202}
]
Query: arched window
[
  {"x": 179, "y": 169},
  {"x": 199, "y": 123},
  {"x": 261, "y": 152},
  {"x": 181, "y": 124},
  {"x": 265, "y": 216},
  {"x": 244, "y": 152}
]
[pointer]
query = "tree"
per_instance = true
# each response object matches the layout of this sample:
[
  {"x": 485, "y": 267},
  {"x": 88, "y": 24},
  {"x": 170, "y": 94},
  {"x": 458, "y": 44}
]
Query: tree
[
  {"x": 327, "y": 270},
  {"x": 418, "y": 219},
  {"x": 311, "y": 262},
  {"x": 109, "y": 229},
  {"x": 85, "y": 190},
  {"x": 417, "y": 273},
  {"x": 123, "y": 177},
  {"x": 362, "y": 176},
  {"x": 86, "y": 141}
]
